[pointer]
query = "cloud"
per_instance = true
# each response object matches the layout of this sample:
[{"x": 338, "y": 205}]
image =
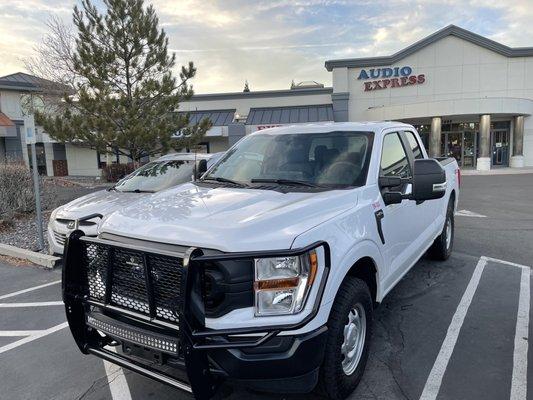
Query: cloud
[{"x": 271, "y": 42}]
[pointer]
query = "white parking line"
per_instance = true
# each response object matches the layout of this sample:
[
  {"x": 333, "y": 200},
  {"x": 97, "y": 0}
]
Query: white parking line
[
  {"x": 519, "y": 377},
  {"x": 38, "y": 304},
  {"x": 434, "y": 381},
  {"x": 466, "y": 213},
  {"x": 519, "y": 380},
  {"x": 18, "y": 333},
  {"x": 118, "y": 385},
  {"x": 497, "y": 260},
  {"x": 6, "y": 296},
  {"x": 33, "y": 337}
]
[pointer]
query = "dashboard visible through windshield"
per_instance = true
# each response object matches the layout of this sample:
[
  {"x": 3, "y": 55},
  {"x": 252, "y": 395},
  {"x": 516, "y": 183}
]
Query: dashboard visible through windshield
[{"x": 320, "y": 160}]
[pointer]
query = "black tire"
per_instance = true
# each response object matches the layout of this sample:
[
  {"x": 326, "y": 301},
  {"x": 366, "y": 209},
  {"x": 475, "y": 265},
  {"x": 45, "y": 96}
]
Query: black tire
[
  {"x": 333, "y": 381},
  {"x": 441, "y": 249}
]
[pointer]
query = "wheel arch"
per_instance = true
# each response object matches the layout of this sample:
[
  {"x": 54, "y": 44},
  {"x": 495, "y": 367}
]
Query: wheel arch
[{"x": 365, "y": 269}]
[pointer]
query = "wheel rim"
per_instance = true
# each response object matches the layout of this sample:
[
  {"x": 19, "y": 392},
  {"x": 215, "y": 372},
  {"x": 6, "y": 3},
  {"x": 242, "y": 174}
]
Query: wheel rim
[
  {"x": 354, "y": 339},
  {"x": 448, "y": 233}
]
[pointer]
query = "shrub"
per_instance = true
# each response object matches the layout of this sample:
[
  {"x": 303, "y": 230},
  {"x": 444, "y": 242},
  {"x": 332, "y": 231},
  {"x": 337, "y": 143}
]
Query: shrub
[
  {"x": 115, "y": 172},
  {"x": 16, "y": 190}
]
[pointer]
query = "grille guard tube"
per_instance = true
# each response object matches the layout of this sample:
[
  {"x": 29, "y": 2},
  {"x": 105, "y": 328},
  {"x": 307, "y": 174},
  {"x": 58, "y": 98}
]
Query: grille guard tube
[{"x": 195, "y": 339}]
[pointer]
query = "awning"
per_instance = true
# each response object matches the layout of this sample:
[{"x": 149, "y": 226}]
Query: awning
[
  {"x": 217, "y": 117},
  {"x": 7, "y": 127},
  {"x": 290, "y": 114}
]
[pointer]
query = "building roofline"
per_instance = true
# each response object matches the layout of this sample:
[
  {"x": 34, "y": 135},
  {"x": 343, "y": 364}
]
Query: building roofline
[
  {"x": 261, "y": 94},
  {"x": 208, "y": 110},
  {"x": 18, "y": 86},
  {"x": 291, "y": 107},
  {"x": 450, "y": 30}
]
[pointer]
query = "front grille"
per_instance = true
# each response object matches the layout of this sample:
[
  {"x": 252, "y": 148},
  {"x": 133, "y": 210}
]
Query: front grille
[
  {"x": 140, "y": 281},
  {"x": 60, "y": 238}
]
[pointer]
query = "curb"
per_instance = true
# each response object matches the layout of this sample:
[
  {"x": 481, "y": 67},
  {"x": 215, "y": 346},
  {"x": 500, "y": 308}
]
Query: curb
[
  {"x": 497, "y": 171},
  {"x": 41, "y": 259}
]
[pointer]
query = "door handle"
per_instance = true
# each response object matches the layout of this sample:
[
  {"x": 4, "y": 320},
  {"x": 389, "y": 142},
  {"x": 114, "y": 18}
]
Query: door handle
[{"x": 379, "y": 215}]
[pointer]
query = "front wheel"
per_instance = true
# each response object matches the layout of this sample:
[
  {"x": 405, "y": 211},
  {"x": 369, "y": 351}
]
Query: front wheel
[
  {"x": 443, "y": 244},
  {"x": 349, "y": 332}
]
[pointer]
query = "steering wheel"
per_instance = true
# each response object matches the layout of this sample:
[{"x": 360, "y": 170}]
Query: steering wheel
[{"x": 341, "y": 172}]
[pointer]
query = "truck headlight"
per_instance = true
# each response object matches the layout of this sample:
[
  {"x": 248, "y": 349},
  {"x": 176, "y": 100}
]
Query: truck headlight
[{"x": 282, "y": 284}]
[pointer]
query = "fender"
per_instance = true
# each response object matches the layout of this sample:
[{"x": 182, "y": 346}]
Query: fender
[{"x": 365, "y": 248}]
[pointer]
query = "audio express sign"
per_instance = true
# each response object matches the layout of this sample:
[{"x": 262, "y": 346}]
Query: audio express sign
[{"x": 389, "y": 77}]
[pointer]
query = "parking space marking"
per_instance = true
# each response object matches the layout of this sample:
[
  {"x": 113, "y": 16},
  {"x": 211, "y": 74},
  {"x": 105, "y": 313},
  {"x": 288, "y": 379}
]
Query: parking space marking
[
  {"x": 118, "y": 385},
  {"x": 33, "y": 337},
  {"x": 6, "y": 296},
  {"x": 18, "y": 333},
  {"x": 497, "y": 260},
  {"x": 466, "y": 213},
  {"x": 519, "y": 379},
  {"x": 38, "y": 304},
  {"x": 434, "y": 381}
]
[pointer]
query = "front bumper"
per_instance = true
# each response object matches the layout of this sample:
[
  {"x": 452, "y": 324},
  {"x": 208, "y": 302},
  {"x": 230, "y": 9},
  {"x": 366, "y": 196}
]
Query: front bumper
[
  {"x": 258, "y": 357},
  {"x": 56, "y": 242}
]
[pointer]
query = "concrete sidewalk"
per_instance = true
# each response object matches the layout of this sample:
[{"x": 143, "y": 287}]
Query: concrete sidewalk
[{"x": 498, "y": 171}]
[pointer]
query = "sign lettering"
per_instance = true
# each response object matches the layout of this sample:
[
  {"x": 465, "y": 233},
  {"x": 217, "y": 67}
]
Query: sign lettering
[{"x": 389, "y": 77}]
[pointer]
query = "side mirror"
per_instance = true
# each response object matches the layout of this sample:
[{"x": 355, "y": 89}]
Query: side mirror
[
  {"x": 429, "y": 180},
  {"x": 201, "y": 168}
]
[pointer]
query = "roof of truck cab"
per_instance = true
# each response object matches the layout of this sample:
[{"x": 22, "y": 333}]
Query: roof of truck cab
[
  {"x": 185, "y": 156},
  {"x": 370, "y": 126}
]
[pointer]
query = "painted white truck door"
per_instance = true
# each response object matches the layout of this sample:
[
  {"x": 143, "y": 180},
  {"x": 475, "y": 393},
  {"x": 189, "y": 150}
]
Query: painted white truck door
[
  {"x": 399, "y": 222},
  {"x": 426, "y": 212}
]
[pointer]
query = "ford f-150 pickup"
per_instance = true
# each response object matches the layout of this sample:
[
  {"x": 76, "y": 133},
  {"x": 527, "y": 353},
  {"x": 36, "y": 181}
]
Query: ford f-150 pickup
[{"x": 265, "y": 271}]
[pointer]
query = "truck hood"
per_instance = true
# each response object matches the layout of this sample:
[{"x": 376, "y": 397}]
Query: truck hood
[
  {"x": 227, "y": 219},
  {"x": 102, "y": 202}
]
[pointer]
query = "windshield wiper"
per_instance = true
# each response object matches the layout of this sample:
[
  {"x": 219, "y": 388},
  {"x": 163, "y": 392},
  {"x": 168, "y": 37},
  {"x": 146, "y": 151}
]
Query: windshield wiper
[
  {"x": 138, "y": 191},
  {"x": 224, "y": 180},
  {"x": 285, "y": 182}
]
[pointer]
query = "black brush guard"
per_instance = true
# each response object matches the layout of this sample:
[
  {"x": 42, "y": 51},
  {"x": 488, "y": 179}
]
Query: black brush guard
[{"x": 195, "y": 340}]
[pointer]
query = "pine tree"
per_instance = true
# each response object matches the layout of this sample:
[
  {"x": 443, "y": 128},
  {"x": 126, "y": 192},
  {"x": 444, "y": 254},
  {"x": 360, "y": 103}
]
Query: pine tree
[
  {"x": 246, "y": 87},
  {"x": 127, "y": 98}
]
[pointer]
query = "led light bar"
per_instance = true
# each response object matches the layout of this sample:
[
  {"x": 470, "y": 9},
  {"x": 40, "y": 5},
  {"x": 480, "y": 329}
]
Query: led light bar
[{"x": 138, "y": 336}]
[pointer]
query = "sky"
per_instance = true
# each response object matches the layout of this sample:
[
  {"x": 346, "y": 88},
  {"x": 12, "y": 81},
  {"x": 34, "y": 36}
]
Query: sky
[{"x": 271, "y": 43}]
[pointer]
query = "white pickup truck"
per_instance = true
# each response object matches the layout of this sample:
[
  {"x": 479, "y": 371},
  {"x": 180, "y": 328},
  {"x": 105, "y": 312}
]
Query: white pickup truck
[{"x": 266, "y": 271}]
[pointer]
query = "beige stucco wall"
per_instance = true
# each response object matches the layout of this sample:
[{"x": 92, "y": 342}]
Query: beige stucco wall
[
  {"x": 217, "y": 144},
  {"x": 460, "y": 78},
  {"x": 81, "y": 161},
  {"x": 10, "y": 104}
]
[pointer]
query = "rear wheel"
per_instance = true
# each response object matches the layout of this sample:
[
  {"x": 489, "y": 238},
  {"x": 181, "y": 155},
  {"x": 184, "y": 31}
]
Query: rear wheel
[
  {"x": 349, "y": 332},
  {"x": 443, "y": 245}
]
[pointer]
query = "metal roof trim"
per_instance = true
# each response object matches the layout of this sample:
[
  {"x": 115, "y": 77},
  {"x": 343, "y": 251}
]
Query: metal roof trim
[{"x": 450, "y": 30}]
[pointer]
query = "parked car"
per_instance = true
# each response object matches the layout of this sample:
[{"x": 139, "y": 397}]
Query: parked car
[
  {"x": 266, "y": 270},
  {"x": 167, "y": 171}
]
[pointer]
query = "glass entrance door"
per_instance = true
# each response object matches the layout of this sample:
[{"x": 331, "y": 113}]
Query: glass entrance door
[
  {"x": 461, "y": 145},
  {"x": 469, "y": 149},
  {"x": 500, "y": 147}
]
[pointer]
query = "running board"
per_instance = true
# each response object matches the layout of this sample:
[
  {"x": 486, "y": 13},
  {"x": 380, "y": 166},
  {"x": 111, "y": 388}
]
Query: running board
[{"x": 125, "y": 363}]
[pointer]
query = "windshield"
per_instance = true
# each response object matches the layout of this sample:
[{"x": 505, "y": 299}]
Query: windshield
[
  {"x": 327, "y": 159},
  {"x": 157, "y": 175}
]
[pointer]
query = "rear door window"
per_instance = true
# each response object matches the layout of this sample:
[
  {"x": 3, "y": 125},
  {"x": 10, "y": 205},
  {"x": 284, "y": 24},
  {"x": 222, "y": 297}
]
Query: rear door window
[{"x": 415, "y": 146}]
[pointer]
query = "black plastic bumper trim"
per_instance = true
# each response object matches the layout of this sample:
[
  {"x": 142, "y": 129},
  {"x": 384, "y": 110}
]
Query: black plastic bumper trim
[{"x": 125, "y": 363}]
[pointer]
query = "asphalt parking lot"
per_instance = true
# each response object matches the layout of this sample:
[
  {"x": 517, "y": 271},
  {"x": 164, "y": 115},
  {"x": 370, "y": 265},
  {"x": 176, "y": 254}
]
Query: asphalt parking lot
[{"x": 452, "y": 330}]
